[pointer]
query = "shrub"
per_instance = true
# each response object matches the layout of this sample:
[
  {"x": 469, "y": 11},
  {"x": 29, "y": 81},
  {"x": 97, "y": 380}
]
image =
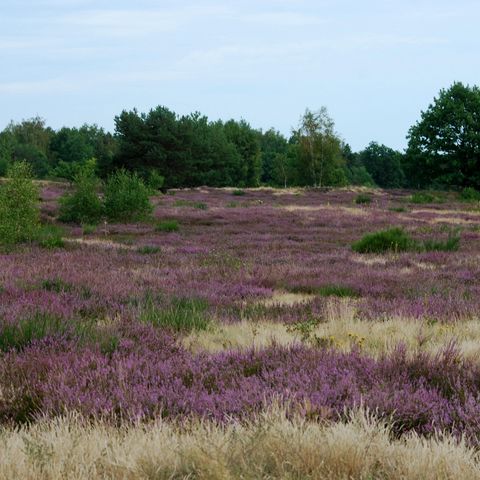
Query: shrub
[
  {"x": 19, "y": 209},
  {"x": 363, "y": 198},
  {"x": 88, "y": 229},
  {"x": 84, "y": 205},
  {"x": 50, "y": 236},
  {"x": 183, "y": 314},
  {"x": 393, "y": 240},
  {"x": 126, "y": 197},
  {"x": 239, "y": 192},
  {"x": 397, "y": 209},
  {"x": 167, "y": 226},
  {"x": 469, "y": 194}
]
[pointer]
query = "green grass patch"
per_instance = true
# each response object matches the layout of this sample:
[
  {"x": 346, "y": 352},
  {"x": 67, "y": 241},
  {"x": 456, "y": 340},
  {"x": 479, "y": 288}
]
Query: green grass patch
[
  {"x": 50, "y": 236},
  {"x": 189, "y": 203},
  {"x": 398, "y": 209},
  {"x": 363, "y": 199},
  {"x": 426, "y": 197},
  {"x": 25, "y": 331},
  {"x": 148, "y": 250},
  {"x": 391, "y": 240},
  {"x": 239, "y": 192},
  {"x": 181, "y": 315},
  {"x": 167, "y": 226},
  {"x": 469, "y": 194},
  {"x": 452, "y": 244}
]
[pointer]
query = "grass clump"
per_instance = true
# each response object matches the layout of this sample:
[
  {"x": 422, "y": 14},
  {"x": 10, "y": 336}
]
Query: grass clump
[
  {"x": 24, "y": 332},
  {"x": 452, "y": 244},
  {"x": 469, "y": 194},
  {"x": 189, "y": 203},
  {"x": 126, "y": 197},
  {"x": 398, "y": 209},
  {"x": 19, "y": 209},
  {"x": 390, "y": 240},
  {"x": 328, "y": 290},
  {"x": 148, "y": 250},
  {"x": 51, "y": 236},
  {"x": 239, "y": 192},
  {"x": 182, "y": 314},
  {"x": 425, "y": 197},
  {"x": 167, "y": 226},
  {"x": 363, "y": 199}
]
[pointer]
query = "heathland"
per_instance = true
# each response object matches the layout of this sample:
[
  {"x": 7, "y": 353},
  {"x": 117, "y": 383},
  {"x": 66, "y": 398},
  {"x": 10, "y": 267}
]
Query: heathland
[{"x": 245, "y": 333}]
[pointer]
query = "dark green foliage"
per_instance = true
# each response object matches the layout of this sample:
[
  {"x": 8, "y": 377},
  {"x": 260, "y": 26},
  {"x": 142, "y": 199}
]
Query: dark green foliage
[
  {"x": 274, "y": 156},
  {"x": 50, "y": 236},
  {"x": 355, "y": 171},
  {"x": 469, "y": 194},
  {"x": 391, "y": 240},
  {"x": 126, "y": 197},
  {"x": 167, "y": 226},
  {"x": 363, "y": 198},
  {"x": 56, "y": 285},
  {"x": 238, "y": 192},
  {"x": 84, "y": 204},
  {"x": 19, "y": 208},
  {"x": 397, "y": 209},
  {"x": 182, "y": 314},
  {"x": 444, "y": 145},
  {"x": 383, "y": 164}
]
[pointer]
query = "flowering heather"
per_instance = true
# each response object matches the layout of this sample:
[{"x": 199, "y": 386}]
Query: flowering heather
[{"x": 118, "y": 300}]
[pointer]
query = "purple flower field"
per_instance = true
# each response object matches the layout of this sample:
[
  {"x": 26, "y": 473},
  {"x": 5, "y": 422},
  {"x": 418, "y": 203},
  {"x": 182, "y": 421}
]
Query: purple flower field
[{"x": 97, "y": 327}]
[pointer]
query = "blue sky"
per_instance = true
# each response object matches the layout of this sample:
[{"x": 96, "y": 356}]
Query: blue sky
[{"x": 374, "y": 64}]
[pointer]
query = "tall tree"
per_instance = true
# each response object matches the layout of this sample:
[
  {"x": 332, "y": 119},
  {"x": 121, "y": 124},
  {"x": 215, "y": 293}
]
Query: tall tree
[
  {"x": 320, "y": 149},
  {"x": 444, "y": 145}
]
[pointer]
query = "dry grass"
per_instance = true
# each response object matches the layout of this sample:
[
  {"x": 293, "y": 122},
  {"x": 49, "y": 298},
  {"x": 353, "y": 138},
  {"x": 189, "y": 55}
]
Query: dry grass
[
  {"x": 283, "y": 298},
  {"x": 343, "y": 330},
  {"x": 271, "y": 447}
]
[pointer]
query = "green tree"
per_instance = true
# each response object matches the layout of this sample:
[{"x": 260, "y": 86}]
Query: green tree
[
  {"x": 19, "y": 209},
  {"x": 355, "y": 171},
  {"x": 84, "y": 204},
  {"x": 320, "y": 156},
  {"x": 444, "y": 145},
  {"x": 383, "y": 164},
  {"x": 126, "y": 197},
  {"x": 274, "y": 149}
]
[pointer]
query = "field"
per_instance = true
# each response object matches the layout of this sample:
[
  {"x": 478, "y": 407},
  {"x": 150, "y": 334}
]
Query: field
[{"x": 238, "y": 335}]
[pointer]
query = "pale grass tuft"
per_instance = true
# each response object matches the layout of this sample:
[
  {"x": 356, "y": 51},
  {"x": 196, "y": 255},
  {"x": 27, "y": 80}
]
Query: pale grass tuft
[
  {"x": 271, "y": 446},
  {"x": 342, "y": 328},
  {"x": 283, "y": 298}
]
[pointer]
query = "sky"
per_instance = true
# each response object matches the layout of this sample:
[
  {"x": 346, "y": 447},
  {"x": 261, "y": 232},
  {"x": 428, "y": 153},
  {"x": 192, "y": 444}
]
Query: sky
[{"x": 374, "y": 64}]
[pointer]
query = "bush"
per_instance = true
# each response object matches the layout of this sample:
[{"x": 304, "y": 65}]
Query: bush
[
  {"x": 238, "y": 193},
  {"x": 469, "y": 194},
  {"x": 363, "y": 198},
  {"x": 126, "y": 197},
  {"x": 397, "y": 209},
  {"x": 84, "y": 205},
  {"x": 167, "y": 226},
  {"x": 393, "y": 240},
  {"x": 19, "y": 209}
]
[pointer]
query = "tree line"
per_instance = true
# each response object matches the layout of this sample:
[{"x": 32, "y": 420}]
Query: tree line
[{"x": 170, "y": 150}]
